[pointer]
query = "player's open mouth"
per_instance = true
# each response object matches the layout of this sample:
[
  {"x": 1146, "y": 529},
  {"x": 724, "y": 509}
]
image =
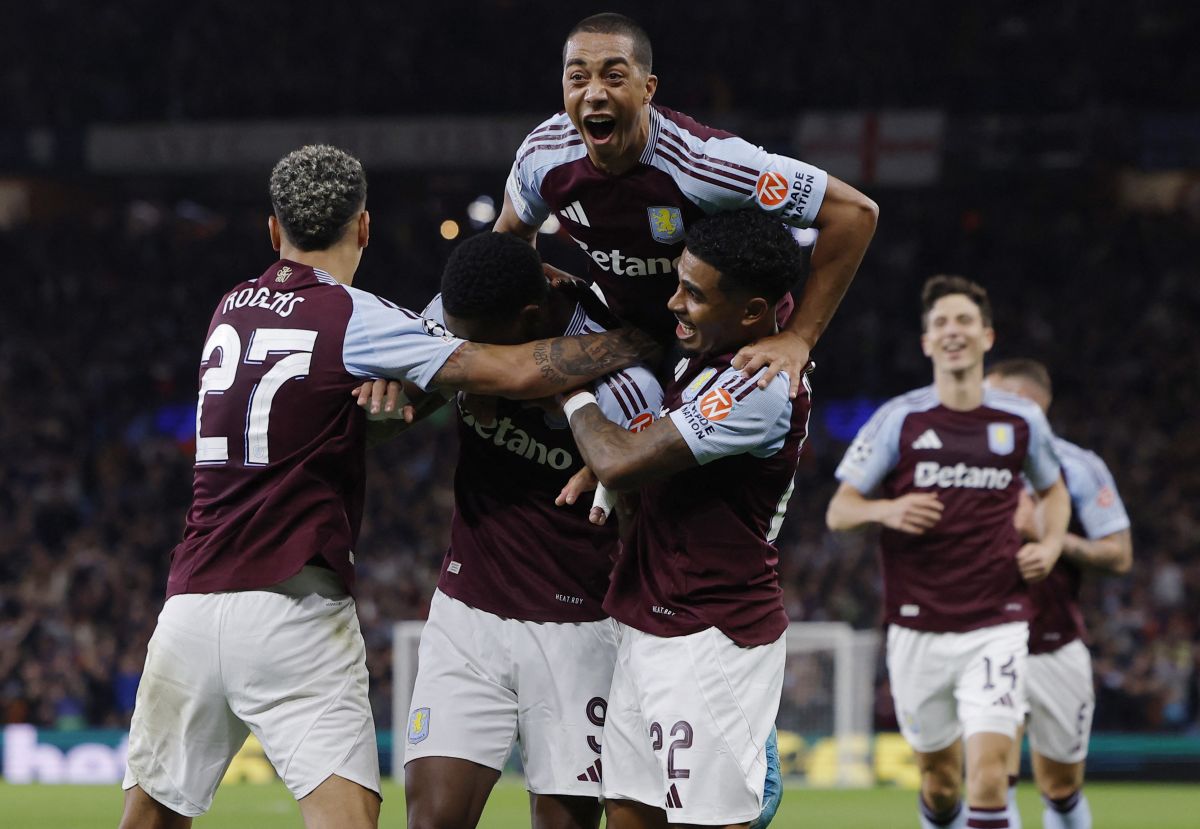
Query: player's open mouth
[
  {"x": 600, "y": 127},
  {"x": 683, "y": 330}
]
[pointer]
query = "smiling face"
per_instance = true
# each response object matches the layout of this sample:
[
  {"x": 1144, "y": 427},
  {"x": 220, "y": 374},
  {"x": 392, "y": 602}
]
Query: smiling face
[
  {"x": 605, "y": 94},
  {"x": 955, "y": 337},
  {"x": 709, "y": 319}
]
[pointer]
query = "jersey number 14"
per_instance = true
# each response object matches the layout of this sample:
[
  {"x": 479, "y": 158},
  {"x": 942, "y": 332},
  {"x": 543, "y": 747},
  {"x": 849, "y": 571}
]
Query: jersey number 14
[{"x": 296, "y": 343}]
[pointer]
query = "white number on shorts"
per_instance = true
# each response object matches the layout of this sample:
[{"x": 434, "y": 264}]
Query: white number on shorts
[{"x": 296, "y": 343}]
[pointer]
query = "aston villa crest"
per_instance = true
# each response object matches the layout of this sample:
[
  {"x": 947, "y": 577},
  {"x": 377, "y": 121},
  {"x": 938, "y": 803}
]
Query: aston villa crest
[{"x": 666, "y": 224}]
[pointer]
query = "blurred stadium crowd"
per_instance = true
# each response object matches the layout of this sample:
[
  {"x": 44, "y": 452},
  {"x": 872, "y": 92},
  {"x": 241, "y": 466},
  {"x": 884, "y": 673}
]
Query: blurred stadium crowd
[{"x": 106, "y": 304}]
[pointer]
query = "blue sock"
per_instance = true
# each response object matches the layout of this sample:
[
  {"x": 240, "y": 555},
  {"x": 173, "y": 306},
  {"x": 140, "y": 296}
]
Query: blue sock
[{"x": 1070, "y": 812}]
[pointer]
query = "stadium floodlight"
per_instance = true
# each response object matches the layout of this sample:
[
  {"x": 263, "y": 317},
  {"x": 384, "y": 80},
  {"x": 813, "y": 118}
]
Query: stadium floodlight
[
  {"x": 449, "y": 230},
  {"x": 551, "y": 225},
  {"x": 482, "y": 211}
]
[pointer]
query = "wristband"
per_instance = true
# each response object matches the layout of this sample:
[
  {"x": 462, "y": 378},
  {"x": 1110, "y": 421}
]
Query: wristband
[{"x": 577, "y": 402}]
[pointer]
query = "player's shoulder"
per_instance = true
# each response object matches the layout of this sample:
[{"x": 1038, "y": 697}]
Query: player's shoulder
[
  {"x": 553, "y": 142},
  {"x": 677, "y": 123},
  {"x": 896, "y": 409},
  {"x": 1079, "y": 461},
  {"x": 1013, "y": 404},
  {"x": 365, "y": 300}
]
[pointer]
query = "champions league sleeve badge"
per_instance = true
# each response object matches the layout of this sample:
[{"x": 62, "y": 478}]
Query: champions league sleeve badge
[
  {"x": 666, "y": 224},
  {"x": 1001, "y": 438}
]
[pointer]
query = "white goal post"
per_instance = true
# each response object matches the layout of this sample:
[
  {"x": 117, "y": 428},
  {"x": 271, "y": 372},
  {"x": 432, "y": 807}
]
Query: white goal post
[{"x": 825, "y": 714}]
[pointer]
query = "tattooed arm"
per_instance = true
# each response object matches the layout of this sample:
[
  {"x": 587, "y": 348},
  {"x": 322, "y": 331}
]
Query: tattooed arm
[
  {"x": 624, "y": 460},
  {"x": 544, "y": 367}
]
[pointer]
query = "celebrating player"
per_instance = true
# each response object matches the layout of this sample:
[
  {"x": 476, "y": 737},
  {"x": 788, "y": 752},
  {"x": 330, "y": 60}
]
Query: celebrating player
[
  {"x": 948, "y": 459},
  {"x": 1059, "y": 689},
  {"x": 517, "y": 645},
  {"x": 700, "y": 661},
  {"x": 258, "y": 632},
  {"x": 627, "y": 177}
]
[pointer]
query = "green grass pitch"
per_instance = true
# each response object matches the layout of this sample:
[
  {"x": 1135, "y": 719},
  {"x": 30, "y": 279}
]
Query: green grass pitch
[{"x": 1114, "y": 806}]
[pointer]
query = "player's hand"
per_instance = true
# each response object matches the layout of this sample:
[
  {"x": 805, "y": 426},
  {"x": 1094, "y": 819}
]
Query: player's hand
[
  {"x": 1026, "y": 518},
  {"x": 384, "y": 400},
  {"x": 481, "y": 407},
  {"x": 558, "y": 277},
  {"x": 784, "y": 351},
  {"x": 1036, "y": 559},
  {"x": 913, "y": 513},
  {"x": 581, "y": 482}
]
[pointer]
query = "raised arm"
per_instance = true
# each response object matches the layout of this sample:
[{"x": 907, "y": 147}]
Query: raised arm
[
  {"x": 543, "y": 367},
  {"x": 913, "y": 513},
  {"x": 621, "y": 459},
  {"x": 509, "y": 222},
  {"x": 847, "y": 221}
]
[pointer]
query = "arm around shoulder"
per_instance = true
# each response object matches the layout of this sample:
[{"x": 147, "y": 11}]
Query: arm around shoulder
[{"x": 624, "y": 460}]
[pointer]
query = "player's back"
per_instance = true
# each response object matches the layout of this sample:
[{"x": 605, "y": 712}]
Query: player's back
[
  {"x": 960, "y": 574},
  {"x": 279, "y": 439}
]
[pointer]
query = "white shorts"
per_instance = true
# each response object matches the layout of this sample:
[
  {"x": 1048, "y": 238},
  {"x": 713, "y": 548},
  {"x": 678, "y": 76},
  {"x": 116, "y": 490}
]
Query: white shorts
[
  {"x": 952, "y": 685},
  {"x": 1061, "y": 703},
  {"x": 688, "y": 722},
  {"x": 485, "y": 682},
  {"x": 286, "y": 663}
]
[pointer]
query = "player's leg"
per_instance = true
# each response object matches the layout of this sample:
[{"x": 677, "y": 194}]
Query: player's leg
[
  {"x": 338, "y": 803},
  {"x": 990, "y": 692},
  {"x": 294, "y": 667},
  {"x": 144, "y": 812},
  {"x": 1014, "y": 776},
  {"x": 446, "y": 792},
  {"x": 463, "y": 717},
  {"x": 1060, "y": 722},
  {"x": 921, "y": 674},
  {"x": 183, "y": 734},
  {"x": 564, "y": 674}
]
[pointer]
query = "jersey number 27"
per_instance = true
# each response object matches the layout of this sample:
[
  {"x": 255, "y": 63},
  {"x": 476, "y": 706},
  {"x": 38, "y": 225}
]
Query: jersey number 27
[{"x": 296, "y": 343}]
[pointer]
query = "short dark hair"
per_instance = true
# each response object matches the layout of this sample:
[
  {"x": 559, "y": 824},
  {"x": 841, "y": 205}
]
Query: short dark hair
[
  {"x": 942, "y": 285},
  {"x": 611, "y": 23},
  {"x": 315, "y": 193},
  {"x": 492, "y": 274},
  {"x": 750, "y": 249},
  {"x": 1025, "y": 368}
]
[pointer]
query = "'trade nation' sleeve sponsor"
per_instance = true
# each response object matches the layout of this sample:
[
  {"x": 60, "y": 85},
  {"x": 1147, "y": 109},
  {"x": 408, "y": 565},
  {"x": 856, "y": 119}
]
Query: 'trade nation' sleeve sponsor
[
  {"x": 631, "y": 398},
  {"x": 1094, "y": 496},
  {"x": 736, "y": 417}
]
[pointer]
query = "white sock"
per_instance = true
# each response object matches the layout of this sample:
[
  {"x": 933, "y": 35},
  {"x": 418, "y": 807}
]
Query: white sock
[
  {"x": 990, "y": 818},
  {"x": 954, "y": 819},
  {"x": 1071, "y": 812}
]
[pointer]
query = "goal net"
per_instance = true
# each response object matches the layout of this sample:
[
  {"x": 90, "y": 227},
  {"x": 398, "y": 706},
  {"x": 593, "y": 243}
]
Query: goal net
[{"x": 825, "y": 712}]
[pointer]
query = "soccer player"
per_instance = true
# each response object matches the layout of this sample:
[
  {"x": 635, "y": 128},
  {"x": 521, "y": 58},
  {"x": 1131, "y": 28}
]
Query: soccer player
[
  {"x": 1059, "y": 689},
  {"x": 258, "y": 632},
  {"x": 517, "y": 646},
  {"x": 947, "y": 460},
  {"x": 696, "y": 587},
  {"x": 627, "y": 177}
]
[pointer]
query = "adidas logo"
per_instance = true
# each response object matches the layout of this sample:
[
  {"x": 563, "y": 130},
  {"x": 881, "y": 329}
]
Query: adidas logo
[
  {"x": 574, "y": 212},
  {"x": 1005, "y": 701},
  {"x": 593, "y": 773},
  {"x": 673, "y": 801},
  {"x": 928, "y": 440}
]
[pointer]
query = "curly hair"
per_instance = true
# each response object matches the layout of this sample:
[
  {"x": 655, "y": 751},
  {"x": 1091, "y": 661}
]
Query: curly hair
[
  {"x": 316, "y": 192},
  {"x": 750, "y": 249},
  {"x": 492, "y": 274},
  {"x": 611, "y": 23},
  {"x": 942, "y": 285}
]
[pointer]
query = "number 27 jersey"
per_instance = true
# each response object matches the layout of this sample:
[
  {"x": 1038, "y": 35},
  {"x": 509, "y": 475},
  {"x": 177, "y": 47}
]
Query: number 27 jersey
[{"x": 280, "y": 441}]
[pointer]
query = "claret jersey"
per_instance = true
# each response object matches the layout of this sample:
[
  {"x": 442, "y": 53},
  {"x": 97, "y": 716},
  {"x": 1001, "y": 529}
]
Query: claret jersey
[
  {"x": 961, "y": 574},
  {"x": 632, "y": 226},
  {"x": 702, "y": 552},
  {"x": 1096, "y": 511},
  {"x": 280, "y": 441},
  {"x": 512, "y": 552}
]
